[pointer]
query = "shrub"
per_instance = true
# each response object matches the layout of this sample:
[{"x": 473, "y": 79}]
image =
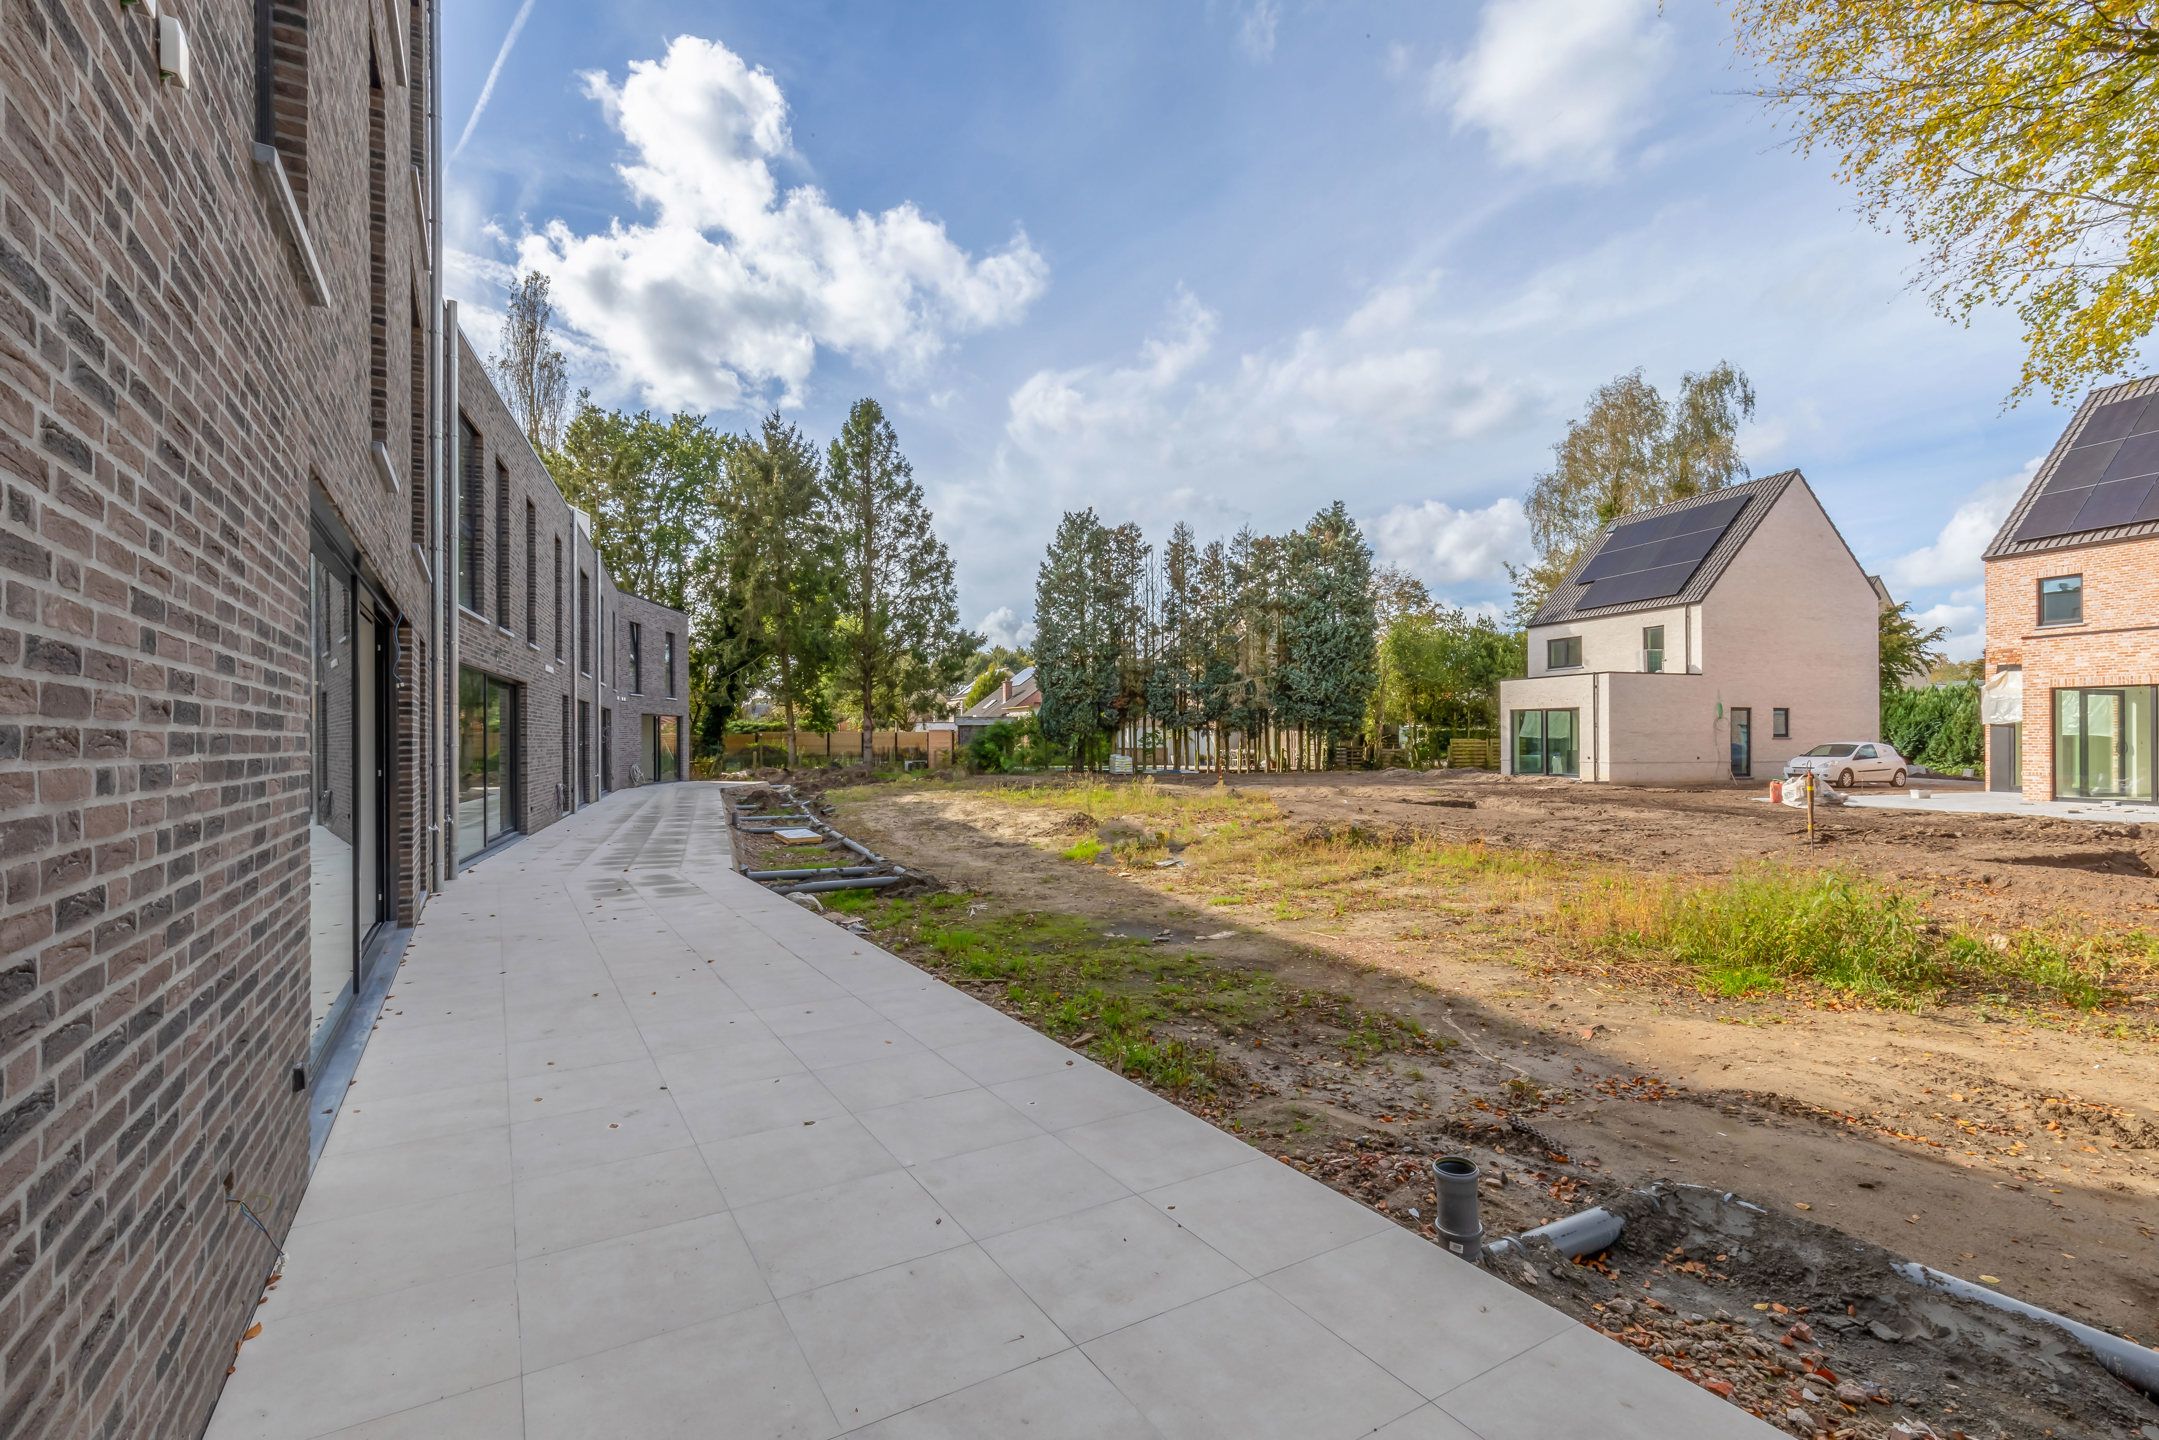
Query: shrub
[{"x": 1936, "y": 725}]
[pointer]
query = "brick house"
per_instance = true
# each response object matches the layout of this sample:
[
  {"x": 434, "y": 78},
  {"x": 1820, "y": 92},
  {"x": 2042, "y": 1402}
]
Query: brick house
[
  {"x": 2072, "y": 633},
  {"x": 235, "y": 742}
]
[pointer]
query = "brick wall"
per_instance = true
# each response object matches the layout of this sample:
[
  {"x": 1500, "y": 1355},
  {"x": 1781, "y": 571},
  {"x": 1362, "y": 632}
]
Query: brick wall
[
  {"x": 516, "y": 639},
  {"x": 2118, "y": 643},
  {"x": 499, "y": 642},
  {"x": 651, "y": 693},
  {"x": 170, "y": 396}
]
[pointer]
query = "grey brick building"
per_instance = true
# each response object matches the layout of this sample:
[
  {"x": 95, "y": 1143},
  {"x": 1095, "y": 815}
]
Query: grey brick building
[
  {"x": 563, "y": 678},
  {"x": 250, "y": 710}
]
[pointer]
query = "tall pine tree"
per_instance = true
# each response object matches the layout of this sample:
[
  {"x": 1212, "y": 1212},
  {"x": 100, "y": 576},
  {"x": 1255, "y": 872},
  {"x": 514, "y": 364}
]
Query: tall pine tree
[
  {"x": 782, "y": 559},
  {"x": 1329, "y": 630},
  {"x": 901, "y": 631}
]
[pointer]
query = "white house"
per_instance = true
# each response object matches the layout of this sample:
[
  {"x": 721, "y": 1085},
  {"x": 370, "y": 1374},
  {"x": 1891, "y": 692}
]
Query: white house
[{"x": 1705, "y": 640}]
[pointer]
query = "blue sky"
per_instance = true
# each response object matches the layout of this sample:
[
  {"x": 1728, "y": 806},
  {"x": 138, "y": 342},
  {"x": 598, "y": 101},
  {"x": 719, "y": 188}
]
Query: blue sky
[{"x": 1221, "y": 261}]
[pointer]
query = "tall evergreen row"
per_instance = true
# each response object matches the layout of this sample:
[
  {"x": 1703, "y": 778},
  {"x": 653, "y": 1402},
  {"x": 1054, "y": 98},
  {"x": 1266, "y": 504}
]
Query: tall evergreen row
[{"x": 1264, "y": 643}]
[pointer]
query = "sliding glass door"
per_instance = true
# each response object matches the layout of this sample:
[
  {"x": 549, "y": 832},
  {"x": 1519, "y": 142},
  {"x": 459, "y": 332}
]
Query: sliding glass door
[
  {"x": 487, "y": 762},
  {"x": 348, "y": 782},
  {"x": 1546, "y": 742},
  {"x": 2104, "y": 742},
  {"x": 662, "y": 747}
]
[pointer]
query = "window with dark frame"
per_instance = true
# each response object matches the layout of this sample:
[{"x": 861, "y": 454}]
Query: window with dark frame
[
  {"x": 502, "y": 545},
  {"x": 1780, "y": 723},
  {"x": 281, "y": 89},
  {"x": 378, "y": 250},
  {"x": 471, "y": 517},
  {"x": 2061, "y": 600},
  {"x": 422, "y": 482},
  {"x": 670, "y": 662},
  {"x": 1563, "y": 652},
  {"x": 637, "y": 658},
  {"x": 532, "y": 573},
  {"x": 584, "y": 623},
  {"x": 558, "y": 597}
]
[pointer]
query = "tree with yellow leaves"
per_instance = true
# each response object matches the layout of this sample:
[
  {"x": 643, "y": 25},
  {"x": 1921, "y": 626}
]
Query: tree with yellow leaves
[{"x": 2015, "y": 142}]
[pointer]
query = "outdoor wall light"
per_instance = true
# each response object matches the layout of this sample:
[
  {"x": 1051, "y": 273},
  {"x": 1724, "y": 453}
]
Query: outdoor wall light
[{"x": 172, "y": 56}]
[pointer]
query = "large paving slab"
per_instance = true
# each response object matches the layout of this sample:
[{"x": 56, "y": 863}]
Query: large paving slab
[{"x": 640, "y": 1149}]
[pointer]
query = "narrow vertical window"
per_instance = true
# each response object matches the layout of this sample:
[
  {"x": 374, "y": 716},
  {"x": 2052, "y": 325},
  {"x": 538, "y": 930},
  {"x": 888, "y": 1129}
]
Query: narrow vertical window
[
  {"x": 502, "y": 545},
  {"x": 281, "y": 90},
  {"x": 558, "y": 597},
  {"x": 637, "y": 658},
  {"x": 416, "y": 83},
  {"x": 670, "y": 662},
  {"x": 422, "y": 483},
  {"x": 584, "y": 623},
  {"x": 532, "y": 573},
  {"x": 378, "y": 248},
  {"x": 471, "y": 516}
]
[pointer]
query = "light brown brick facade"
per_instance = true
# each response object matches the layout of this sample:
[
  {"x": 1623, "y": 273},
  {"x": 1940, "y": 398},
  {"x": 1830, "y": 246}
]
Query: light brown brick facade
[{"x": 2117, "y": 643}]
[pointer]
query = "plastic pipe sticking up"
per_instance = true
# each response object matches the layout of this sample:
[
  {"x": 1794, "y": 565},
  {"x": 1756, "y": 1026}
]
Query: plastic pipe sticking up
[{"x": 1459, "y": 1222}]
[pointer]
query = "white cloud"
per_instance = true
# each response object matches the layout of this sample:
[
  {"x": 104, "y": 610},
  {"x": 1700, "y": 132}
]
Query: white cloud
[
  {"x": 1450, "y": 548},
  {"x": 1557, "y": 84},
  {"x": 1003, "y": 627},
  {"x": 1953, "y": 558},
  {"x": 1373, "y": 382},
  {"x": 1256, "y": 27},
  {"x": 1963, "y": 615},
  {"x": 733, "y": 284}
]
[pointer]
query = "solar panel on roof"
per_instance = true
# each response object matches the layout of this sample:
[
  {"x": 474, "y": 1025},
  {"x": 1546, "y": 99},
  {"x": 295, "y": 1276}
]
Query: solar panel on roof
[
  {"x": 1641, "y": 585},
  {"x": 2117, "y": 418},
  {"x": 2053, "y": 515},
  {"x": 2082, "y": 466},
  {"x": 2139, "y": 455},
  {"x": 1612, "y": 561},
  {"x": 2149, "y": 510},
  {"x": 2114, "y": 503},
  {"x": 2099, "y": 481},
  {"x": 1656, "y": 556}
]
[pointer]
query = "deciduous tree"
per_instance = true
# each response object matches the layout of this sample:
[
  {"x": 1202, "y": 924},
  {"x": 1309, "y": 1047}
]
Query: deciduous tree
[
  {"x": 1630, "y": 450},
  {"x": 530, "y": 369},
  {"x": 2011, "y": 141}
]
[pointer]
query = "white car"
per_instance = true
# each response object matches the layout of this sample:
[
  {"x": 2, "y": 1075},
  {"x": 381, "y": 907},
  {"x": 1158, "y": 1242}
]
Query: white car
[{"x": 1845, "y": 763}]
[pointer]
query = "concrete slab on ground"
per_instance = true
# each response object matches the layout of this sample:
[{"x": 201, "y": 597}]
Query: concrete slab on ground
[
  {"x": 639, "y": 1148},
  {"x": 1972, "y": 801}
]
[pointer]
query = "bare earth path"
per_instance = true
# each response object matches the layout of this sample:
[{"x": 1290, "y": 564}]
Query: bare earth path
[{"x": 1985, "y": 1140}]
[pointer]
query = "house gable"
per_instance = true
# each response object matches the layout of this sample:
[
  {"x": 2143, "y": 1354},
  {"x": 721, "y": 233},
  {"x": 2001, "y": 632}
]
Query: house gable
[{"x": 2061, "y": 478}]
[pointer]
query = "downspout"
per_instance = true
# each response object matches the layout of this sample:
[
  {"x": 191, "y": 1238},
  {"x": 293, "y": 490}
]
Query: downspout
[
  {"x": 438, "y": 623},
  {"x": 451, "y": 498},
  {"x": 1596, "y": 712}
]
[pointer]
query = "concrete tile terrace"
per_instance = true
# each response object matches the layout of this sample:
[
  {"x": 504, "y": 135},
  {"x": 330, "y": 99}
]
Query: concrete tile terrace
[{"x": 641, "y": 1150}]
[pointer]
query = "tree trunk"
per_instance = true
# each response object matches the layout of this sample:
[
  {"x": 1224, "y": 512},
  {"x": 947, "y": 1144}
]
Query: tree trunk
[{"x": 787, "y": 703}]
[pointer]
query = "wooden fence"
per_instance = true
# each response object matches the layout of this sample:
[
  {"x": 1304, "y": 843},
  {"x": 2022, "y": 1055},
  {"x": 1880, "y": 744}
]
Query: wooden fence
[{"x": 769, "y": 747}]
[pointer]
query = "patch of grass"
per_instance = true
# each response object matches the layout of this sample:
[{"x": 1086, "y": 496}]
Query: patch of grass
[
  {"x": 1084, "y": 850},
  {"x": 1117, "y": 998},
  {"x": 1768, "y": 928}
]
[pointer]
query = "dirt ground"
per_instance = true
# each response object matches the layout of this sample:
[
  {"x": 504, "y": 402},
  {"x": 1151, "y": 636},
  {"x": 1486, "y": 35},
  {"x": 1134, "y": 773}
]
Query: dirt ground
[{"x": 2007, "y": 1144}]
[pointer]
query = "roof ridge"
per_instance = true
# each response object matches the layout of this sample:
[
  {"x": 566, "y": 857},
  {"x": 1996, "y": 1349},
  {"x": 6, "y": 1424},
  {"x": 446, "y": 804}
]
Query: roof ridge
[{"x": 1564, "y": 603}]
